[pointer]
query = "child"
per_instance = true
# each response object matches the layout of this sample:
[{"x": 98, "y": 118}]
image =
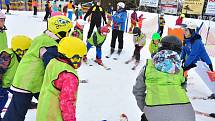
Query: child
[
  {"x": 47, "y": 9},
  {"x": 133, "y": 21},
  {"x": 160, "y": 88},
  {"x": 179, "y": 20},
  {"x": 60, "y": 87},
  {"x": 3, "y": 36},
  {"x": 9, "y": 61},
  {"x": 65, "y": 10},
  {"x": 78, "y": 29},
  {"x": 34, "y": 5},
  {"x": 78, "y": 12},
  {"x": 154, "y": 44},
  {"x": 70, "y": 8},
  {"x": 60, "y": 8},
  {"x": 140, "y": 21},
  {"x": 139, "y": 42},
  {"x": 27, "y": 83},
  {"x": 97, "y": 39},
  {"x": 161, "y": 24}
]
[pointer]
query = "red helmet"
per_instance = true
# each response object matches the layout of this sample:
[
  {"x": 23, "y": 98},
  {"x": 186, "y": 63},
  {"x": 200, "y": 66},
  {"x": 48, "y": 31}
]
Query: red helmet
[{"x": 104, "y": 30}]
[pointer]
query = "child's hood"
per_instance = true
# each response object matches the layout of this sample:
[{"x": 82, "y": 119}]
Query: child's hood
[{"x": 167, "y": 61}]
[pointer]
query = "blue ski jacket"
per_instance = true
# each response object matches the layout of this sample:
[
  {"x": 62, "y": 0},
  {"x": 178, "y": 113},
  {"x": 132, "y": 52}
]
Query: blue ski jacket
[
  {"x": 119, "y": 20},
  {"x": 197, "y": 51}
]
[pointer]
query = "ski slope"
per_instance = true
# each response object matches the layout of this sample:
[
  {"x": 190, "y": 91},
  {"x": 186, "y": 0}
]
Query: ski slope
[{"x": 108, "y": 93}]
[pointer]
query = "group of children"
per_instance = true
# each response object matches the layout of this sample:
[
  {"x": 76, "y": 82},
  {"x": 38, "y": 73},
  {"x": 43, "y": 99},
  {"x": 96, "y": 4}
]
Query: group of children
[
  {"x": 55, "y": 56},
  {"x": 53, "y": 9}
]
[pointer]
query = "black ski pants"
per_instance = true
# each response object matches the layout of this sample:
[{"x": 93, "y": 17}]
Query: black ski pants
[
  {"x": 117, "y": 34},
  {"x": 35, "y": 10},
  {"x": 136, "y": 54},
  {"x": 92, "y": 25}
]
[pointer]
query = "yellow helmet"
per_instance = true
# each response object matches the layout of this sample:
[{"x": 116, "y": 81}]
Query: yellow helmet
[
  {"x": 59, "y": 25},
  {"x": 74, "y": 49},
  {"x": 182, "y": 15},
  {"x": 20, "y": 44}
]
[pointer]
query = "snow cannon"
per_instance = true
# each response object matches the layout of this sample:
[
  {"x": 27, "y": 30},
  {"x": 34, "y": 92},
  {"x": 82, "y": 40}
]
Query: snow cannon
[{"x": 211, "y": 75}]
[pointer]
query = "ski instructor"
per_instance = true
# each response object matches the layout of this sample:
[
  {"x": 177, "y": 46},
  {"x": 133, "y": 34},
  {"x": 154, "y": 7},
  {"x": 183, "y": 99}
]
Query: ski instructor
[
  {"x": 118, "y": 27},
  {"x": 97, "y": 14}
]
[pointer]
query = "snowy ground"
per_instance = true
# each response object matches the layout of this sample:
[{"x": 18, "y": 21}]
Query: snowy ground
[{"x": 109, "y": 93}]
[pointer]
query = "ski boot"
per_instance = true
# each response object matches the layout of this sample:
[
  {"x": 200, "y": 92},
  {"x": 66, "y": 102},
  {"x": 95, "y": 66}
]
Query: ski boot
[
  {"x": 119, "y": 51},
  {"x": 99, "y": 61},
  {"x": 111, "y": 52},
  {"x": 85, "y": 58}
]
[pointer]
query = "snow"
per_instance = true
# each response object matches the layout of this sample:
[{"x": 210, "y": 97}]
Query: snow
[{"x": 109, "y": 92}]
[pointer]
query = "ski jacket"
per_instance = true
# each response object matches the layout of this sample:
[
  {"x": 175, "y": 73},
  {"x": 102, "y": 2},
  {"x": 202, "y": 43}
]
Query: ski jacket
[
  {"x": 179, "y": 21},
  {"x": 97, "y": 14},
  {"x": 153, "y": 48},
  {"x": 32, "y": 78},
  {"x": 96, "y": 39},
  {"x": 186, "y": 49},
  {"x": 134, "y": 18},
  {"x": 119, "y": 20},
  {"x": 57, "y": 98},
  {"x": 197, "y": 51},
  {"x": 10, "y": 68},
  {"x": 140, "y": 40},
  {"x": 7, "y": 2},
  {"x": 34, "y": 3},
  {"x": 3, "y": 40}
]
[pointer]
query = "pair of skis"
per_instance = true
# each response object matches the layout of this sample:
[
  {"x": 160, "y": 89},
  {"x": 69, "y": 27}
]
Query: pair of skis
[
  {"x": 115, "y": 58},
  {"x": 210, "y": 115},
  {"x": 102, "y": 64},
  {"x": 135, "y": 65}
]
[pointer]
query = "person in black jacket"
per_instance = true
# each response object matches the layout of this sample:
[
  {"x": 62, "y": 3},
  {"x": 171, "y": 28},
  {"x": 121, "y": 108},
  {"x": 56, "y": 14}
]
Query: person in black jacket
[
  {"x": 47, "y": 9},
  {"x": 97, "y": 12}
]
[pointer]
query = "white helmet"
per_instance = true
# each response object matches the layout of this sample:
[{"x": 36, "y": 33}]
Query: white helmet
[
  {"x": 190, "y": 25},
  {"x": 121, "y": 4}
]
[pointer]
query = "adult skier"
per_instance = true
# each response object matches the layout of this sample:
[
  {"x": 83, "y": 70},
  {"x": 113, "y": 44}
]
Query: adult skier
[
  {"x": 118, "y": 27},
  {"x": 97, "y": 13}
]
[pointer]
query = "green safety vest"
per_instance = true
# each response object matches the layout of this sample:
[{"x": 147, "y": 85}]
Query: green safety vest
[
  {"x": 153, "y": 48},
  {"x": 3, "y": 40},
  {"x": 30, "y": 72},
  {"x": 49, "y": 105},
  {"x": 138, "y": 40},
  {"x": 99, "y": 39},
  {"x": 7, "y": 78},
  {"x": 164, "y": 88}
]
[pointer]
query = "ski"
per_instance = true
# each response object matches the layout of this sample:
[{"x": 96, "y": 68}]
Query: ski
[
  {"x": 105, "y": 67},
  {"x": 83, "y": 81},
  {"x": 108, "y": 56},
  {"x": 128, "y": 61},
  {"x": 116, "y": 57},
  {"x": 201, "y": 98},
  {"x": 134, "y": 67},
  {"x": 210, "y": 115}
]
